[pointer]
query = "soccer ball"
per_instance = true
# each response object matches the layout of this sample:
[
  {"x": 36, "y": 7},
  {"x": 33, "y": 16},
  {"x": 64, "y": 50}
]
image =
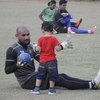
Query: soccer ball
[{"x": 24, "y": 57}]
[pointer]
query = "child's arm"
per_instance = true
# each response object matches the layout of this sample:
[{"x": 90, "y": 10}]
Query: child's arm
[{"x": 38, "y": 48}]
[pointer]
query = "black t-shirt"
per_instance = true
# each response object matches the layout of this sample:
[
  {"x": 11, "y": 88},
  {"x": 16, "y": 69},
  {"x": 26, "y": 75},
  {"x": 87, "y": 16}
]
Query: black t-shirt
[
  {"x": 57, "y": 16},
  {"x": 22, "y": 74}
]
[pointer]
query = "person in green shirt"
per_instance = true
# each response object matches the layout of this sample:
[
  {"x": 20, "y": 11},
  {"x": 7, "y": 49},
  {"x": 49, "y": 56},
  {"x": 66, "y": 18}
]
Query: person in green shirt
[{"x": 48, "y": 12}]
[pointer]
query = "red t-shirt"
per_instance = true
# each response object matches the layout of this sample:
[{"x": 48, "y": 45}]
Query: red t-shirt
[{"x": 47, "y": 44}]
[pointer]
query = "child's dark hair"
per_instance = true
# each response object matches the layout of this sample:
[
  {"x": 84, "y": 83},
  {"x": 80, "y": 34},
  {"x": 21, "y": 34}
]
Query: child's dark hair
[
  {"x": 51, "y": 2},
  {"x": 47, "y": 26},
  {"x": 62, "y": 2}
]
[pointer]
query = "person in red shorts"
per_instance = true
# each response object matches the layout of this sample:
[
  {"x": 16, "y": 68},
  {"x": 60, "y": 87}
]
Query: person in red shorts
[{"x": 47, "y": 44}]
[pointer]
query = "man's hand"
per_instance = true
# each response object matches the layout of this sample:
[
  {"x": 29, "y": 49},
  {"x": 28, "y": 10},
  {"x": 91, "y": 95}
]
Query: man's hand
[
  {"x": 67, "y": 14},
  {"x": 20, "y": 63},
  {"x": 64, "y": 14}
]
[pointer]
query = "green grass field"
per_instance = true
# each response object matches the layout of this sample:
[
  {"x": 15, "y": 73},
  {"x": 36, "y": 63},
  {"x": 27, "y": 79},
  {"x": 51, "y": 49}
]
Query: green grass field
[{"x": 83, "y": 61}]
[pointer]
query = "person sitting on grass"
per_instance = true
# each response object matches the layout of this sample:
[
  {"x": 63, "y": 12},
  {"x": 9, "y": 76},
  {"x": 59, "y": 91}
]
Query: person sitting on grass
[
  {"x": 26, "y": 73},
  {"x": 61, "y": 21}
]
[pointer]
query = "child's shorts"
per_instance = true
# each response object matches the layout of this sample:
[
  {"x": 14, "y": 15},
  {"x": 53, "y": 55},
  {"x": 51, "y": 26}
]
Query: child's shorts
[{"x": 48, "y": 69}]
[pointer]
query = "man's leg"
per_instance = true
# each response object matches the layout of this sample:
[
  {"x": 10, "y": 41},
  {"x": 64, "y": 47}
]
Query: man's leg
[
  {"x": 75, "y": 83},
  {"x": 63, "y": 29},
  {"x": 79, "y": 31},
  {"x": 72, "y": 84},
  {"x": 30, "y": 84},
  {"x": 77, "y": 24},
  {"x": 66, "y": 21},
  {"x": 72, "y": 78},
  {"x": 73, "y": 24}
]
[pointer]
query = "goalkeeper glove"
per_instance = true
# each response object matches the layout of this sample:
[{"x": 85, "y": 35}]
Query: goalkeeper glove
[
  {"x": 34, "y": 46},
  {"x": 67, "y": 44}
]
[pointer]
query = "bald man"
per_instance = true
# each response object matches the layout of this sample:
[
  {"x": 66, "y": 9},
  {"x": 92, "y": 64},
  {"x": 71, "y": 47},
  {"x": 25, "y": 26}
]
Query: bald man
[
  {"x": 22, "y": 72},
  {"x": 25, "y": 73}
]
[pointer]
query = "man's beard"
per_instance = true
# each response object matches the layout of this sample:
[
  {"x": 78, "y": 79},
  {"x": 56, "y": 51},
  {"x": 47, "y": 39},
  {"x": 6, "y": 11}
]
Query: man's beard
[{"x": 24, "y": 43}]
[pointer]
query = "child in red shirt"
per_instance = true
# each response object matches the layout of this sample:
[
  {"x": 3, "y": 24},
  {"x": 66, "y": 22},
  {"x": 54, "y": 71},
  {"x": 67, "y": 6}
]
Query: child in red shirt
[{"x": 47, "y": 45}]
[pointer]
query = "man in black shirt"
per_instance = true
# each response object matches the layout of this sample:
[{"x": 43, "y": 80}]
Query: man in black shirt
[
  {"x": 62, "y": 24},
  {"x": 58, "y": 26},
  {"x": 25, "y": 73}
]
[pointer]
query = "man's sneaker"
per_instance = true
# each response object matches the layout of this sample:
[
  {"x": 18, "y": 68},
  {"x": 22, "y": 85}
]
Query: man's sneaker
[
  {"x": 52, "y": 91},
  {"x": 92, "y": 30},
  {"x": 78, "y": 23},
  {"x": 95, "y": 85},
  {"x": 35, "y": 91},
  {"x": 96, "y": 81},
  {"x": 70, "y": 31}
]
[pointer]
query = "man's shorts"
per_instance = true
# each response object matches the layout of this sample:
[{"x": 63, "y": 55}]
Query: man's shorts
[{"x": 48, "y": 69}]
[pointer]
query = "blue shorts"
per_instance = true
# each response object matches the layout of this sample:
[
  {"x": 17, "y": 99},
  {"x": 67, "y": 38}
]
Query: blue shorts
[{"x": 48, "y": 69}]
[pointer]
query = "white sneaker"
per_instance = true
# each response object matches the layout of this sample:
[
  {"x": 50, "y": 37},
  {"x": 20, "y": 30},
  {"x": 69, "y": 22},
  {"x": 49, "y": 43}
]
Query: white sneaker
[
  {"x": 67, "y": 43},
  {"x": 35, "y": 91},
  {"x": 96, "y": 81},
  {"x": 97, "y": 78},
  {"x": 52, "y": 91}
]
